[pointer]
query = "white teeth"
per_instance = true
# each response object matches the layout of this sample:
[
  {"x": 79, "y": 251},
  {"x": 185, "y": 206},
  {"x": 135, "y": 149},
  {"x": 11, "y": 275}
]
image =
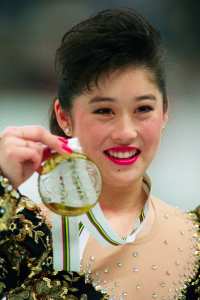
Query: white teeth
[{"x": 127, "y": 154}]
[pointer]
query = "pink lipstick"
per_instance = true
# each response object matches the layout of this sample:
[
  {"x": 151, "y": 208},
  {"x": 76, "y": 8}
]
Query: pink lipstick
[{"x": 123, "y": 155}]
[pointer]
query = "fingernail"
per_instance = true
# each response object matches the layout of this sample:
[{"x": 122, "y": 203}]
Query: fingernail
[
  {"x": 63, "y": 140},
  {"x": 67, "y": 149}
]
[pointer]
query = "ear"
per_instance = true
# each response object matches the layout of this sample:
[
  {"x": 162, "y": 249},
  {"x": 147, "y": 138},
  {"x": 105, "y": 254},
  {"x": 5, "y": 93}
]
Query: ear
[
  {"x": 165, "y": 119},
  {"x": 63, "y": 117}
]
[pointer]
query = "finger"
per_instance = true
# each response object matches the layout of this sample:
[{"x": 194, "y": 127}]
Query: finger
[
  {"x": 12, "y": 132},
  {"x": 32, "y": 132},
  {"x": 34, "y": 145},
  {"x": 11, "y": 143},
  {"x": 23, "y": 154},
  {"x": 40, "y": 135}
]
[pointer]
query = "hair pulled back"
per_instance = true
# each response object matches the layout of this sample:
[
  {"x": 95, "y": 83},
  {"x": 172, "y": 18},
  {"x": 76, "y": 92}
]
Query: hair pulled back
[{"x": 112, "y": 39}]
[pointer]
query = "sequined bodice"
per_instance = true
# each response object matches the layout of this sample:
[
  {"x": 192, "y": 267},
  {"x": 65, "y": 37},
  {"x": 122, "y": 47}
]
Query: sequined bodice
[{"x": 156, "y": 266}]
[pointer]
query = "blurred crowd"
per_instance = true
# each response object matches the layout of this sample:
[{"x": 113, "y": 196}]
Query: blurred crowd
[{"x": 30, "y": 32}]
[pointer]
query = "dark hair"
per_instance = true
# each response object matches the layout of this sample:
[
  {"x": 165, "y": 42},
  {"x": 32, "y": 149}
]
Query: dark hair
[{"x": 110, "y": 40}]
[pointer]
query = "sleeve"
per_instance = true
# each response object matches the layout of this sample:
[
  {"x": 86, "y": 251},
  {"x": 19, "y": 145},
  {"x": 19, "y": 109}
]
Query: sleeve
[
  {"x": 26, "y": 262},
  {"x": 193, "y": 289}
]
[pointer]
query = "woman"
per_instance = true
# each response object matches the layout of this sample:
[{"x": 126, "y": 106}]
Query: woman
[{"x": 112, "y": 96}]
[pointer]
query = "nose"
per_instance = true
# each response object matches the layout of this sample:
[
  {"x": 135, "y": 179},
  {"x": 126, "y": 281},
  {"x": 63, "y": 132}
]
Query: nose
[{"x": 124, "y": 131}]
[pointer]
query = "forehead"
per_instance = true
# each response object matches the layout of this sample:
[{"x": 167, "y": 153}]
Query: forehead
[{"x": 134, "y": 80}]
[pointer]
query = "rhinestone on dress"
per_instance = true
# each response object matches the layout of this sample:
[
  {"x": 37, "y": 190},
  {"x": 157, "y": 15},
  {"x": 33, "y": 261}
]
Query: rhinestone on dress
[
  {"x": 97, "y": 287},
  {"x": 163, "y": 284},
  {"x": 92, "y": 258},
  {"x": 135, "y": 254},
  {"x": 180, "y": 249},
  {"x": 105, "y": 281},
  {"x": 135, "y": 269},
  {"x": 154, "y": 267},
  {"x": 119, "y": 264},
  {"x": 154, "y": 296},
  {"x": 106, "y": 271},
  {"x": 138, "y": 286}
]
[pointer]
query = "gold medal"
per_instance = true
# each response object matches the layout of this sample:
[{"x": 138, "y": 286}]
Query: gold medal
[{"x": 69, "y": 184}]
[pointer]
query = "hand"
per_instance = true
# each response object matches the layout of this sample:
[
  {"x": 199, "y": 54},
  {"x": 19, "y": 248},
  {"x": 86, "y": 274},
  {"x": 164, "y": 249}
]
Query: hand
[{"x": 22, "y": 149}]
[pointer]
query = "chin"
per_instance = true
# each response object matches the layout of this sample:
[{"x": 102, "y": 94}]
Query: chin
[{"x": 121, "y": 179}]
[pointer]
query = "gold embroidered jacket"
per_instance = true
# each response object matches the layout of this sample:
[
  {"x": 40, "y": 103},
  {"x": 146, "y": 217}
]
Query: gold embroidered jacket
[{"x": 26, "y": 268}]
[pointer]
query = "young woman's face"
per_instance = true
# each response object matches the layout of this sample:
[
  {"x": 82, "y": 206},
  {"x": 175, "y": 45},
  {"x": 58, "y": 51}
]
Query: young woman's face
[{"x": 119, "y": 124}]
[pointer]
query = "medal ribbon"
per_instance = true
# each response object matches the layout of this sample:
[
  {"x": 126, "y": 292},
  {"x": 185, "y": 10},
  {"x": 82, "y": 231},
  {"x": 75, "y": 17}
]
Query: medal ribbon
[{"x": 96, "y": 224}]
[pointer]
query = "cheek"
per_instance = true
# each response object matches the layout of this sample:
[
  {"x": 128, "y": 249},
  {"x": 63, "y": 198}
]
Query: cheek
[
  {"x": 89, "y": 132},
  {"x": 151, "y": 132}
]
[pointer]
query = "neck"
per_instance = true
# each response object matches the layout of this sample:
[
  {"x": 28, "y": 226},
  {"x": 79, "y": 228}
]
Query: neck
[{"x": 123, "y": 200}]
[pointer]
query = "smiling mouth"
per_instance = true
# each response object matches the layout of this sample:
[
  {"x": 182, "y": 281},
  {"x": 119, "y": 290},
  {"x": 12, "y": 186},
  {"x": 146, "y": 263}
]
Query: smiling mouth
[{"x": 123, "y": 158}]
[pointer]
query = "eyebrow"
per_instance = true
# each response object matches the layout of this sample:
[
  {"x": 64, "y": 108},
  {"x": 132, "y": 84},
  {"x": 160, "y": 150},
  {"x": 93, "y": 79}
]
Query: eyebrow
[{"x": 98, "y": 99}]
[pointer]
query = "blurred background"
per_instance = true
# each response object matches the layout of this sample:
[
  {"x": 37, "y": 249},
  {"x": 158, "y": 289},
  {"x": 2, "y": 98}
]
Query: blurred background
[{"x": 30, "y": 32}]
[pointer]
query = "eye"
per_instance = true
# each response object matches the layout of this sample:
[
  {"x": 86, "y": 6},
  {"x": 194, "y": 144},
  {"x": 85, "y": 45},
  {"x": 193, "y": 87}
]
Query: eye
[
  {"x": 103, "y": 111},
  {"x": 144, "y": 109}
]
